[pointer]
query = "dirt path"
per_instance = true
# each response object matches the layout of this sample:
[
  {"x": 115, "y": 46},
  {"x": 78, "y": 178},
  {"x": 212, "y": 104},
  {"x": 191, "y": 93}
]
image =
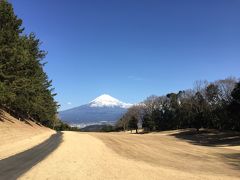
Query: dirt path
[{"x": 123, "y": 156}]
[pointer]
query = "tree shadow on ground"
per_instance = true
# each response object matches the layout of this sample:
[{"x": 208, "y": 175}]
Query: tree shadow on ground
[
  {"x": 233, "y": 159},
  {"x": 14, "y": 166},
  {"x": 1, "y": 116},
  {"x": 37, "y": 123},
  {"x": 28, "y": 123},
  {"x": 212, "y": 138},
  {"x": 4, "y": 118},
  {"x": 1, "y": 119}
]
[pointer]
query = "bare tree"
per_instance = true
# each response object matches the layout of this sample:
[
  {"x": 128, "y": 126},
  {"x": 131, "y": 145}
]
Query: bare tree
[{"x": 226, "y": 86}]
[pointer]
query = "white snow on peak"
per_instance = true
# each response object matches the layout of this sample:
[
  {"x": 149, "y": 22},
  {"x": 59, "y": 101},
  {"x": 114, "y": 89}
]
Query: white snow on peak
[{"x": 106, "y": 100}]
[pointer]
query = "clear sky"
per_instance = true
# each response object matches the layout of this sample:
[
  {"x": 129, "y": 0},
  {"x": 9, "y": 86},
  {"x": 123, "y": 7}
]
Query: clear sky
[{"x": 131, "y": 49}]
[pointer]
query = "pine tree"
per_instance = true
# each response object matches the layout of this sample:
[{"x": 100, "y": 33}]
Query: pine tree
[
  {"x": 10, "y": 28},
  {"x": 25, "y": 89}
]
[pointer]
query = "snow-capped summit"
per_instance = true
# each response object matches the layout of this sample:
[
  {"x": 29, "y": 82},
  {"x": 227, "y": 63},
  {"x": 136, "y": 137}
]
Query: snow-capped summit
[
  {"x": 102, "y": 110},
  {"x": 106, "y": 100}
]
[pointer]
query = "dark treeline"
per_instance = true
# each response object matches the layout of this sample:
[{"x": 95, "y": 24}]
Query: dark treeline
[
  {"x": 97, "y": 128},
  {"x": 25, "y": 90},
  {"x": 213, "y": 105}
]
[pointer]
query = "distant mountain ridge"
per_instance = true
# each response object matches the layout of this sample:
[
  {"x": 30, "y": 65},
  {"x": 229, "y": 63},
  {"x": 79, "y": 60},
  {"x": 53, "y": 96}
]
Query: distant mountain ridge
[{"x": 102, "y": 110}]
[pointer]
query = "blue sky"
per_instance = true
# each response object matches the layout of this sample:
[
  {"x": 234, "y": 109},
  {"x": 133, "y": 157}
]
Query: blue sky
[{"x": 131, "y": 49}]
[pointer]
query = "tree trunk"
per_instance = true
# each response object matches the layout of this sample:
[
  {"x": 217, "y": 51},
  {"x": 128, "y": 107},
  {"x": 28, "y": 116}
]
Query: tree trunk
[{"x": 197, "y": 130}]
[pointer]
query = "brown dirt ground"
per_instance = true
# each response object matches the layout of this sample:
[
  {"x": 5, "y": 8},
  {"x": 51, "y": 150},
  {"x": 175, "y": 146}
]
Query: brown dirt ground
[
  {"x": 130, "y": 156},
  {"x": 18, "y": 136}
]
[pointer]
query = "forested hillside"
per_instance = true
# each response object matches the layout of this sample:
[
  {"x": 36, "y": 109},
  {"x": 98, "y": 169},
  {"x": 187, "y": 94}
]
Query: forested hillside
[
  {"x": 25, "y": 90},
  {"x": 214, "y": 105}
]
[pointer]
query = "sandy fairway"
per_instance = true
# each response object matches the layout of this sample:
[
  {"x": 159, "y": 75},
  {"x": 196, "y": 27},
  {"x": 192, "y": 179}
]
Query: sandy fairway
[{"x": 127, "y": 156}]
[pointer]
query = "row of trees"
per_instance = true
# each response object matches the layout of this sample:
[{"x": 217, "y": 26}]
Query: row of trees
[
  {"x": 208, "y": 105},
  {"x": 25, "y": 89}
]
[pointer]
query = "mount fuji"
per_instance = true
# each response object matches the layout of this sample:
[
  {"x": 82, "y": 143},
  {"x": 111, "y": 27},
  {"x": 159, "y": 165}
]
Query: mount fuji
[{"x": 102, "y": 110}]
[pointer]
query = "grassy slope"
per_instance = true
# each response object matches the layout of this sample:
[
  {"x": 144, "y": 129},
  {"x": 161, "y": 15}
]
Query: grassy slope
[{"x": 17, "y": 136}]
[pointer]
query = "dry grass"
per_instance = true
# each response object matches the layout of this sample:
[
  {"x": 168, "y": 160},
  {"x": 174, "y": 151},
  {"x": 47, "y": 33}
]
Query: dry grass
[
  {"x": 17, "y": 136},
  {"x": 165, "y": 150},
  {"x": 167, "y": 155},
  {"x": 128, "y": 156}
]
